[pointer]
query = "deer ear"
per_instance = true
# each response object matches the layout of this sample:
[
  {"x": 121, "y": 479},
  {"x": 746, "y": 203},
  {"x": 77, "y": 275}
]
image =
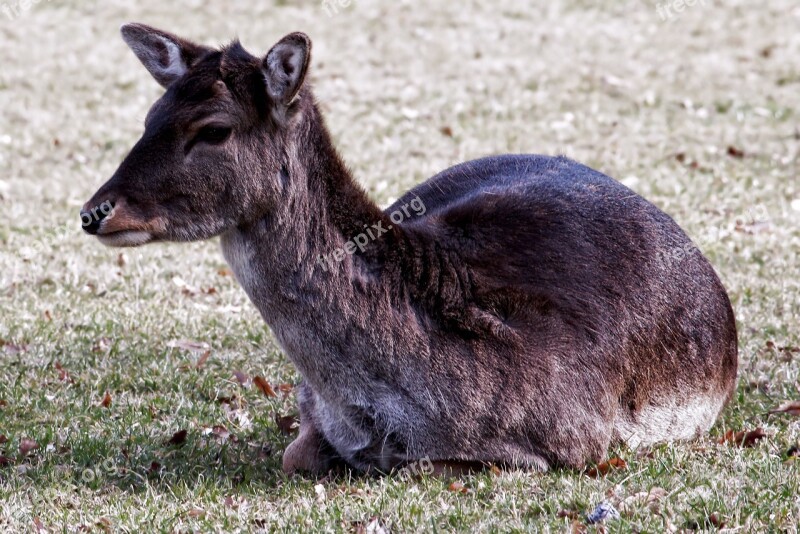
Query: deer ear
[
  {"x": 285, "y": 67},
  {"x": 166, "y": 56}
]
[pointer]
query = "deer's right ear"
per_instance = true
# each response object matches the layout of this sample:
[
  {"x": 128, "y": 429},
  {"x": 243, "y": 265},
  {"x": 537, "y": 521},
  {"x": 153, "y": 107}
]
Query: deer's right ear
[
  {"x": 285, "y": 67},
  {"x": 166, "y": 56}
]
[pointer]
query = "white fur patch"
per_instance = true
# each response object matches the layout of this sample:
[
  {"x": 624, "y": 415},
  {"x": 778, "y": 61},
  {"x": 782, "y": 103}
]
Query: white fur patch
[
  {"x": 679, "y": 419},
  {"x": 126, "y": 238}
]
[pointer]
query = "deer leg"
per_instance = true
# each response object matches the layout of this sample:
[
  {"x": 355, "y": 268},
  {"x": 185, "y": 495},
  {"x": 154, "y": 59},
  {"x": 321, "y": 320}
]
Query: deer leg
[{"x": 310, "y": 452}]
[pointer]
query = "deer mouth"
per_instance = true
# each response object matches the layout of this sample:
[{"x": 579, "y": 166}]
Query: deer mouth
[{"x": 125, "y": 238}]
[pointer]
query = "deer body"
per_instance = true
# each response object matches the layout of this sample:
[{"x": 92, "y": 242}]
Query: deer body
[{"x": 528, "y": 316}]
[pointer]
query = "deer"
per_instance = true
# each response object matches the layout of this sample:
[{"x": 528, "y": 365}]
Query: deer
[{"x": 526, "y": 313}]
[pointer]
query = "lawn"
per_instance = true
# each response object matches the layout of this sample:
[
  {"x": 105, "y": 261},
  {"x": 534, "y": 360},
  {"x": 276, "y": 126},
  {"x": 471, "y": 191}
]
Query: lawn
[{"x": 128, "y": 398}]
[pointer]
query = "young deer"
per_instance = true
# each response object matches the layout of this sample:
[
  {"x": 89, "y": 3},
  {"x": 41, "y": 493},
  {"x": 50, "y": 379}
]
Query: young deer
[{"x": 527, "y": 312}]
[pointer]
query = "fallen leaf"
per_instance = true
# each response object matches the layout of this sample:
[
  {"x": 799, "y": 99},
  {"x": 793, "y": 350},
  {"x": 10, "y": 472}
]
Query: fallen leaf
[
  {"x": 570, "y": 514},
  {"x": 287, "y": 424},
  {"x": 457, "y": 487},
  {"x": 201, "y": 361},
  {"x": 286, "y": 389},
  {"x": 241, "y": 377},
  {"x": 790, "y": 407},
  {"x": 104, "y": 524},
  {"x": 106, "y": 402},
  {"x": 5, "y": 461},
  {"x": 63, "y": 375},
  {"x": 603, "y": 468},
  {"x": 3, "y": 439},
  {"x": 186, "y": 344},
  {"x": 743, "y": 438},
  {"x": 122, "y": 259},
  {"x": 225, "y": 272},
  {"x": 715, "y": 520},
  {"x": 446, "y": 131},
  {"x": 27, "y": 445},
  {"x": 38, "y": 524},
  {"x": 230, "y": 503},
  {"x": 177, "y": 438},
  {"x": 264, "y": 386},
  {"x": 735, "y": 152},
  {"x": 196, "y": 512}
]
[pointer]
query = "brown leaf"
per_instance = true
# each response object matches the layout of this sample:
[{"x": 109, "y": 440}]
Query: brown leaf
[
  {"x": 27, "y": 445},
  {"x": 743, "y": 438},
  {"x": 48, "y": 316},
  {"x": 286, "y": 389},
  {"x": 104, "y": 524},
  {"x": 264, "y": 386},
  {"x": 603, "y": 468},
  {"x": 287, "y": 424},
  {"x": 225, "y": 272},
  {"x": 458, "y": 487},
  {"x": 106, "y": 402},
  {"x": 3, "y": 439},
  {"x": 735, "y": 152},
  {"x": 230, "y": 503},
  {"x": 201, "y": 361},
  {"x": 178, "y": 438},
  {"x": 571, "y": 514},
  {"x": 446, "y": 131},
  {"x": 38, "y": 524},
  {"x": 5, "y": 461},
  {"x": 63, "y": 375},
  {"x": 122, "y": 259},
  {"x": 196, "y": 512},
  {"x": 715, "y": 520},
  {"x": 790, "y": 407}
]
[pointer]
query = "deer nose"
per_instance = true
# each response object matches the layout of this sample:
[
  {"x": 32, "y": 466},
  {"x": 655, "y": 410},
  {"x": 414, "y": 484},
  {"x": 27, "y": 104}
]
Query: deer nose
[{"x": 92, "y": 217}]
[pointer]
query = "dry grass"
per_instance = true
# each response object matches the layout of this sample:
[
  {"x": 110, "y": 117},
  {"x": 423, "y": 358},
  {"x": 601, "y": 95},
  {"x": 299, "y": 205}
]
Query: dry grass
[{"x": 409, "y": 89}]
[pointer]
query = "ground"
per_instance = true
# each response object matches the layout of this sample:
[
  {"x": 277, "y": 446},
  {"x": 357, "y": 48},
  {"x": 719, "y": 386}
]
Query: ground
[{"x": 107, "y": 357}]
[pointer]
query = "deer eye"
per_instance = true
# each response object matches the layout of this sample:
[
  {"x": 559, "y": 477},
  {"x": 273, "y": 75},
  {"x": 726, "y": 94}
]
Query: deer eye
[{"x": 213, "y": 135}]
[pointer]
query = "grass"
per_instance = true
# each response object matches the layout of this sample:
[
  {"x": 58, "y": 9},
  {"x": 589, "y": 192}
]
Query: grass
[{"x": 698, "y": 113}]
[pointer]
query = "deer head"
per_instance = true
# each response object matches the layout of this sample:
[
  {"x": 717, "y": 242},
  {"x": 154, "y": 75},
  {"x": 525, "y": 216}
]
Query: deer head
[{"x": 213, "y": 146}]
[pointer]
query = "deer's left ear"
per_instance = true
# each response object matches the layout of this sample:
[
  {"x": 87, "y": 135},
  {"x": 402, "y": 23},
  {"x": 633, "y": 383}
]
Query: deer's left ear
[
  {"x": 285, "y": 67},
  {"x": 166, "y": 56}
]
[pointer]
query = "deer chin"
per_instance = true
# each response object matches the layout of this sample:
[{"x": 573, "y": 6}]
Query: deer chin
[{"x": 125, "y": 238}]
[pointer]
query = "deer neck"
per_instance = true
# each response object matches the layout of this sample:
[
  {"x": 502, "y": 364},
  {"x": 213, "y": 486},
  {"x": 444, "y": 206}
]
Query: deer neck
[{"x": 302, "y": 268}]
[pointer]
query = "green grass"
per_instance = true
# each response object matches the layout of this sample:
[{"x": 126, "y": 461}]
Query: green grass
[{"x": 654, "y": 104}]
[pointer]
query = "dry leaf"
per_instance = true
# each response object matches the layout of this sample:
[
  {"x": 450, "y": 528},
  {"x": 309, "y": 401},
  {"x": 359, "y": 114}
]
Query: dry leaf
[
  {"x": 3, "y": 439},
  {"x": 63, "y": 375},
  {"x": 177, "y": 438},
  {"x": 5, "y": 461},
  {"x": 458, "y": 487},
  {"x": 27, "y": 445},
  {"x": 743, "y": 438},
  {"x": 790, "y": 407},
  {"x": 225, "y": 272},
  {"x": 603, "y": 468},
  {"x": 286, "y": 389},
  {"x": 201, "y": 361},
  {"x": 287, "y": 424},
  {"x": 122, "y": 259},
  {"x": 38, "y": 524},
  {"x": 106, "y": 402},
  {"x": 104, "y": 524},
  {"x": 264, "y": 386},
  {"x": 735, "y": 152},
  {"x": 446, "y": 131},
  {"x": 196, "y": 512}
]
